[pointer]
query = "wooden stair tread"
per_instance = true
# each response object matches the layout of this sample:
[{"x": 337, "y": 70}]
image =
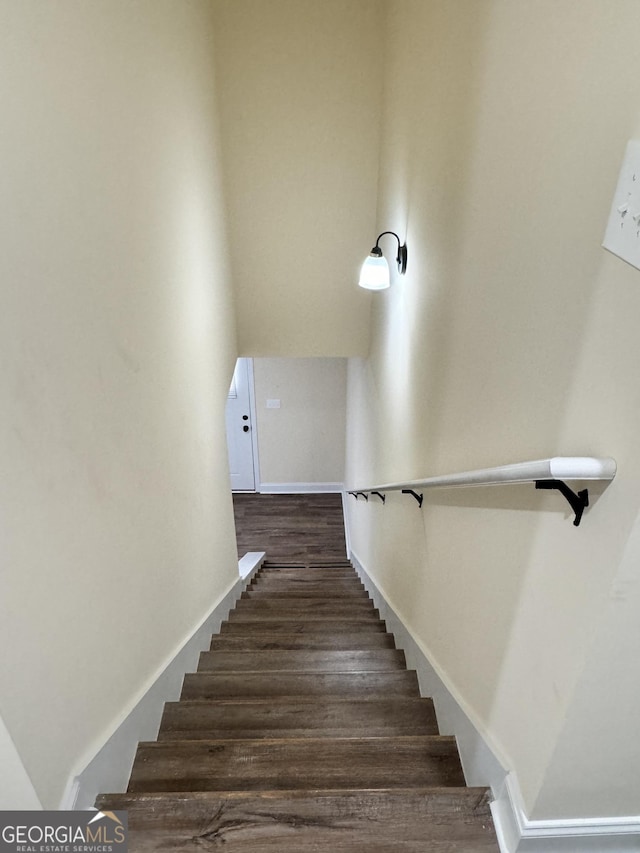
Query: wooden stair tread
[
  {"x": 290, "y": 718},
  {"x": 291, "y": 614},
  {"x": 306, "y": 574},
  {"x": 289, "y": 763},
  {"x": 279, "y": 576},
  {"x": 212, "y": 685},
  {"x": 292, "y": 593},
  {"x": 302, "y": 604},
  {"x": 303, "y": 730},
  {"x": 301, "y": 660},
  {"x": 440, "y": 820},
  {"x": 246, "y": 624},
  {"x": 294, "y": 612},
  {"x": 317, "y": 576},
  {"x": 268, "y": 641},
  {"x": 308, "y": 564}
]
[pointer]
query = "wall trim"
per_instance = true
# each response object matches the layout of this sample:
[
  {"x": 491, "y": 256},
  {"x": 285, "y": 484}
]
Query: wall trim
[
  {"x": 516, "y": 832},
  {"x": 253, "y": 410},
  {"x": 480, "y": 764},
  {"x": 109, "y": 768},
  {"x": 298, "y": 488},
  {"x": 345, "y": 517}
]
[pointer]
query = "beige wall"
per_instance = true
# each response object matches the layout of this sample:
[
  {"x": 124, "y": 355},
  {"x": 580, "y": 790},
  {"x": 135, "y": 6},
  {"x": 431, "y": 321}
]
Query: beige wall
[
  {"x": 117, "y": 346},
  {"x": 304, "y": 440},
  {"x": 513, "y": 336},
  {"x": 16, "y": 790},
  {"x": 299, "y": 98}
]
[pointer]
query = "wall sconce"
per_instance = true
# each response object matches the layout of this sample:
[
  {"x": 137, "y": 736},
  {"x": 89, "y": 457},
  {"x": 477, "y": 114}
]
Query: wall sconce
[{"x": 374, "y": 274}]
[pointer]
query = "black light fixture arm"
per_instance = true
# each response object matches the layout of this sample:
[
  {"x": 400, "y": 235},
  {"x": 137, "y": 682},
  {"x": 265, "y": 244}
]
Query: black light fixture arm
[{"x": 401, "y": 257}]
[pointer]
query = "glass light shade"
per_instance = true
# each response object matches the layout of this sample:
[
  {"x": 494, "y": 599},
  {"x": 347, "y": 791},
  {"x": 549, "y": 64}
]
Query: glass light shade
[{"x": 374, "y": 274}]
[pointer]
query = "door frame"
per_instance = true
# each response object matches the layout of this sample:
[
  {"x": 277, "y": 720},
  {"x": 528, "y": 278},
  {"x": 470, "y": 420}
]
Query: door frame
[{"x": 254, "y": 426}]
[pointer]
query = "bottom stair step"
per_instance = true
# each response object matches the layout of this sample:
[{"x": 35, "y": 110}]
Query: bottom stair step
[
  {"x": 296, "y": 764},
  {"x": 437, "y": 820}
]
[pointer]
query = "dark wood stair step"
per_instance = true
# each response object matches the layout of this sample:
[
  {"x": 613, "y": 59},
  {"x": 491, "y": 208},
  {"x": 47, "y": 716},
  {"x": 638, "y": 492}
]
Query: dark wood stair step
[
  {"x": 284, "y": 595},
  {"x": 288, "y": 718},
  {"x": 307, "y": 605},
  {"x": 257, "y": 685},
  {"x": 309, "y": 568},
  {"x": 346, "y": 578},
  {"x": 316, "y": 591},
  {"x": 325, "y": 640},
  {"x": 417, "y": 820},
  {"x": 309, "y": 563},
  {"x": 315, "y": 575},
  {"x": 296, "y": 660},
  {"x": 292, "y": 614},
  {"x": 326, "y": 600},
  {"x": 246, "y": 625},
  {"x": 290, "y": 764},
  {"x": 315, "y": 569}
]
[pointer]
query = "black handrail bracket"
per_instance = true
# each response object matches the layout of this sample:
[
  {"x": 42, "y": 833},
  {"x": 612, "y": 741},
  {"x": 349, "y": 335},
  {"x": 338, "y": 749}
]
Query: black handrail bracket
[
  {"x": 578, "y": 502},
  {"x": 415, "y": 495}
]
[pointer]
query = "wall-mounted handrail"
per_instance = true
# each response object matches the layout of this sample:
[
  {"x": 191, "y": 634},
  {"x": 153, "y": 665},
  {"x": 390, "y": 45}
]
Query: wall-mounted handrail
[{"x": 545, "y": 473}]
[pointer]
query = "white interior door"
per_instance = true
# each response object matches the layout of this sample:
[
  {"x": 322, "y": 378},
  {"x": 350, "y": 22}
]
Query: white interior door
[{"x": 240, "y": 439}]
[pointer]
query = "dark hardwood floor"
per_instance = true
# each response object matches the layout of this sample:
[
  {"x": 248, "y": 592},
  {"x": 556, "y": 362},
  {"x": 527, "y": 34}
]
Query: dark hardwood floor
[{"x": 290, "y": 527}]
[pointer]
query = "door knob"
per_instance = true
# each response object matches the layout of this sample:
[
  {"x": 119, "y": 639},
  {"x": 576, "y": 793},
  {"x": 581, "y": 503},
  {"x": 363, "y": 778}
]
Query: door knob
[{"x": 245, "y": 428}]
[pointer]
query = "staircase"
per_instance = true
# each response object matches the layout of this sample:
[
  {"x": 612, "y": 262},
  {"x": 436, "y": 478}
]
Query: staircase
[{"x": 302, "y": 731}]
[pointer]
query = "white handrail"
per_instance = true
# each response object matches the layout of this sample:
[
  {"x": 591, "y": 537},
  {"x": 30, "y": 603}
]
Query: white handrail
[
  {"x": 545, "y": 473},
  {"x": 555, "y": 468}
]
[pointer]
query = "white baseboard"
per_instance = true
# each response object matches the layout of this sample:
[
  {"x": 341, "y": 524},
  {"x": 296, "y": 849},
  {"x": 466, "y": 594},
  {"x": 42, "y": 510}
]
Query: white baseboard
[
  {"x": 298, "y": 488},
  {"x": 479, "y": 763},
  {"x": 345, "y": 517},
  {"x": 109, "y": 769},
  {"x": 516, "y": 832}
]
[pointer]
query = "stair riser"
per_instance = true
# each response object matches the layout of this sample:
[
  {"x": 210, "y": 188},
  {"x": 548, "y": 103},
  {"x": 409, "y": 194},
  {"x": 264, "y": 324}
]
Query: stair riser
[
  {"x": 301, "y": 661},
  {"x": 321, "y": 764},
  {"x": 355, "y": 685}
]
